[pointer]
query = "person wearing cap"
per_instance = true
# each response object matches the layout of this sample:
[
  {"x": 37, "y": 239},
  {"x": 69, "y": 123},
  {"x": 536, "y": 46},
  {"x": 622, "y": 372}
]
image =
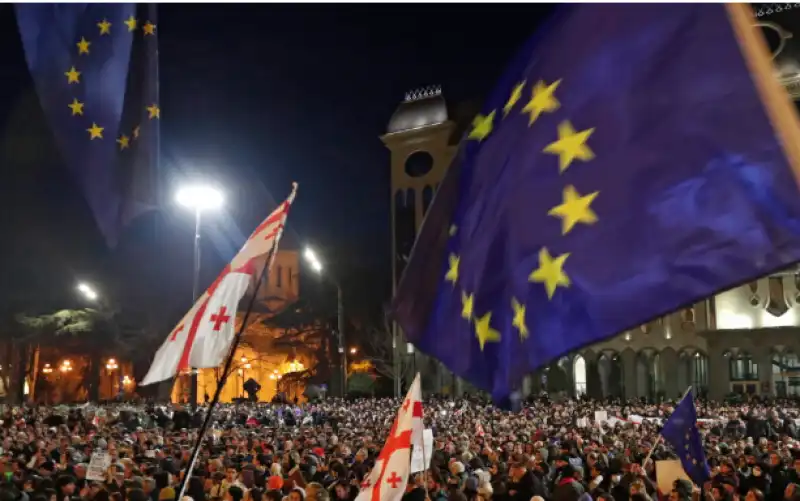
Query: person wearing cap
[{"x": 569, "y": 486}]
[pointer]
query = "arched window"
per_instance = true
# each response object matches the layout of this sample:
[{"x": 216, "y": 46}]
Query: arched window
[
  {"x": 278, "y": 275},
  {"x": 579, "y": 376},
  {"x": 742, "y": 368}
]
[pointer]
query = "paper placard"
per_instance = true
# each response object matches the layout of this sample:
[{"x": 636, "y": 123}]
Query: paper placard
[
  {"x": 421, "y": 460},
  {"x": 600, "y": 416},
  {"x": 667, "y": 472},
  {"x": 98, "y": 465}
]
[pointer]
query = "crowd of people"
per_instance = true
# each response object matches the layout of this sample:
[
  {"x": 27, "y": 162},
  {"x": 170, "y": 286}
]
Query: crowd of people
[{"x": 554, "y": 450}]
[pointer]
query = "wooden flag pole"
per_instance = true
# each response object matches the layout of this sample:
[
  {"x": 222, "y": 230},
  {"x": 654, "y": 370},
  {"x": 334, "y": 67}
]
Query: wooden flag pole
[{"x": 225, "y": 373}]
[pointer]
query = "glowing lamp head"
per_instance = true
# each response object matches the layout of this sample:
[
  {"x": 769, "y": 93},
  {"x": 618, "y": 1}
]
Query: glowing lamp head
[{"x": 200, "y": 197}]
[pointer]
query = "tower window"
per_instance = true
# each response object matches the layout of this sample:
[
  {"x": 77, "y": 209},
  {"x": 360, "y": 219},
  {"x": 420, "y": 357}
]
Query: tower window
[
  {"x": 278, "y": 275},
  {"x": 419, "y": 163}
]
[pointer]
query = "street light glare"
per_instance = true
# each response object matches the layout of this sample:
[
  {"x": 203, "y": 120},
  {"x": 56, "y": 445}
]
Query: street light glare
[
  {"x": 199, "y": 197},
  {"x": 87, "y": 291},
  {"x": 311, "y": 257}
]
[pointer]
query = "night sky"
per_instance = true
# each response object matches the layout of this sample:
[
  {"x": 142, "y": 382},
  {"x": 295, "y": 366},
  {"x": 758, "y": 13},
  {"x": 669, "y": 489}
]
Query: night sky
[{"x": 257, "y": 96}]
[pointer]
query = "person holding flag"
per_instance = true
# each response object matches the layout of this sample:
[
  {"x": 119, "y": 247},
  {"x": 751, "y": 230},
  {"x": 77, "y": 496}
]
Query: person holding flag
[
  {"x": 388, "y": 479},
  {"x": 681, "y": 432}
]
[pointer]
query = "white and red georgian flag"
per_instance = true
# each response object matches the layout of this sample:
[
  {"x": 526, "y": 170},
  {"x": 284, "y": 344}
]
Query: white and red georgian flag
[
  {"x": 388, "y": 478},
  {"x": 203, "y": 337}
]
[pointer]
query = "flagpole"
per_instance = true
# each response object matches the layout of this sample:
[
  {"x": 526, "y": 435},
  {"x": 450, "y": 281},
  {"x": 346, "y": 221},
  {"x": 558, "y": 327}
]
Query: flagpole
[
  {"x": 660, "y": 436},
  {"x": 225, "y": 373}
]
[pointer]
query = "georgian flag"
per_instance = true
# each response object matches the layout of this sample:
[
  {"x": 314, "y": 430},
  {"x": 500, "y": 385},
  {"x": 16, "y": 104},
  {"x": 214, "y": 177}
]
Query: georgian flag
[
  {"x": 388, "y": 478},
  {"x": 168, "y": 356},
  {"x": 216, "y": 325},
  {"x": 204, "y": 335}
]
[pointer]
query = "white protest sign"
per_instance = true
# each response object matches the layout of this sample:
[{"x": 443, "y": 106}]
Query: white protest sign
[
  {"x": 421, "y": 456},
  {"x": 600, "y": 416},
  {"x": 98, "y": 465}
]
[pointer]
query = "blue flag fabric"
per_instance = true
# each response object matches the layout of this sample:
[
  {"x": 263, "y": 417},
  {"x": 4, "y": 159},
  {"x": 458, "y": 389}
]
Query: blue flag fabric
[
  {"x": 623, "y": 168},
  {"x": 95, "y": 67},
  {"x": 680, "y": 431}
]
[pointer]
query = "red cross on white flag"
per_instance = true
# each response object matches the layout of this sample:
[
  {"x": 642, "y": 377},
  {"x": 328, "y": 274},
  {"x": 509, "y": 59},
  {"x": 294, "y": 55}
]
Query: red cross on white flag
[
  {"x": 387, "y": 480},
  {"x": 204, "y": 335}
]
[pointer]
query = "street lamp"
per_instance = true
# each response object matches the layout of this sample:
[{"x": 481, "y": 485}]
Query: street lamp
[
  {"x": 199, "y": 198},
  {"x": 87, "y": 291},
  {"x": 111, "y": 366},
  {"x": 353, "y": 351},
  {"x": 316, "y": 265}
]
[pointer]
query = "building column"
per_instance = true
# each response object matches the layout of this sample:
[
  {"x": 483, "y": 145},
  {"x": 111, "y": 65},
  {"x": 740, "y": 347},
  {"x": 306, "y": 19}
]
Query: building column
[
  {"x": 629, "y": 369},
  {"x": 763, "y": 357},
  {"x": 670, "y": 365},
  {"x": 718, "y": 374},
  {"x": 459, "y": 386},
  {"x": 536, "y": 382}
]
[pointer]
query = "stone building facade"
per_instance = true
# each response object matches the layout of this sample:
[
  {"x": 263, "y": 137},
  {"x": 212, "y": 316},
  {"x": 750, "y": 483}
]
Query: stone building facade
[{"x": 745, "y": 340}]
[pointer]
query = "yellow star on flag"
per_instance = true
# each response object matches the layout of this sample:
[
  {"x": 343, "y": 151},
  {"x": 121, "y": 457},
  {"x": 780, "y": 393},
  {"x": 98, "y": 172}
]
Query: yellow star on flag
[
  {"x": 149, "y": 28},
  {"x": 76, "y": 107},
  {"x": 484, "y": 331},
  {"x": 131, "y": 23},
  {"x": 452, "y": 271},
  {"x": 550, "y": 272},
  {"x": 482, "y": 126},
  {"x": 123, "y": 142},
  {"x": 574, "y": 209},
  {"x": 542, "y": 100},
  {"x": 105, "y": 27},
  {"x": 467, "y": 304},
  {"x": 95, "y": 131},
  {"x": 570, "y": 145},
  {"x": 83, "y": 46},
  {"x": 154, "y": 111},
  {"x": 73, "y": 76},
  {"x": 516, "y": 94},
  {"x": 519, "y": 318}
]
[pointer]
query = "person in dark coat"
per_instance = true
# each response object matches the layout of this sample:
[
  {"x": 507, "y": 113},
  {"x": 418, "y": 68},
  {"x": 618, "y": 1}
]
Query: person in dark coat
[
  {"x": 569, "y": 486},
  {"x": 523, "y": 484}
]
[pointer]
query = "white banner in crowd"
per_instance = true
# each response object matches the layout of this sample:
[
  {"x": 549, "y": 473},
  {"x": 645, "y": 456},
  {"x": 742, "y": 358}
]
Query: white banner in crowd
[{"x": 421, "y": 456}]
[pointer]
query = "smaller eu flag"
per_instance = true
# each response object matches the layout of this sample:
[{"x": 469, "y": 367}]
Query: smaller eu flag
[
  {"x": 95, "y": 67},
  {"x": 680, "y": 431},
  {"x": 633, "y": 160}
]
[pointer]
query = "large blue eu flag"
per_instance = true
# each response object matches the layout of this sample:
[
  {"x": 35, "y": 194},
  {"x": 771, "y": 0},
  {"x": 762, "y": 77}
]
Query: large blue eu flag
[
  {"x": 680, "y": 431},
  {"x": 95, "y": 67},
  {"x": 632, "y": 160}
]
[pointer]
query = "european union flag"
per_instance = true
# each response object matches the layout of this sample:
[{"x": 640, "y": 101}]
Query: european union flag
[
  {"x": 680, "y": 431},
  {"x": 633, "y": 160},
  {"x": 95, "y": 67}
]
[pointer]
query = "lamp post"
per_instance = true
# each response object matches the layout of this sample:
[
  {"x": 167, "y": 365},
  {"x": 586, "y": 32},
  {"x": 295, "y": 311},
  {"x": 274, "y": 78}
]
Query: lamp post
[
  {"x": 316, "y": 265},
  {"x": 111, "y": 366},
  {"x": 199, "y": 198}
]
